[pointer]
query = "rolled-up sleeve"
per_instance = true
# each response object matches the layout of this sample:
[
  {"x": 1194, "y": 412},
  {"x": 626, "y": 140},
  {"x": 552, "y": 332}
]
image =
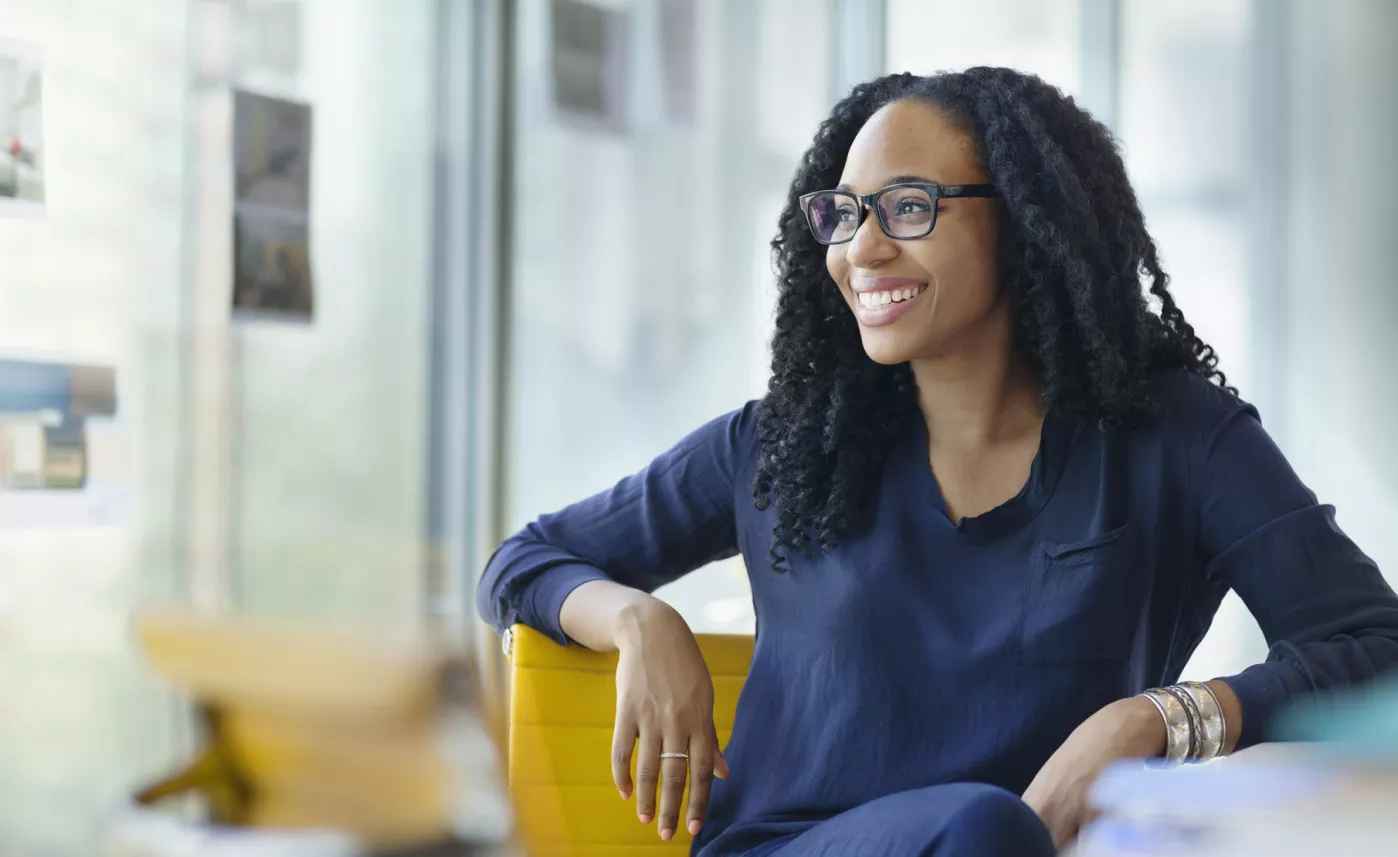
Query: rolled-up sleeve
[
  {"x": 1329, "y": 616},
  {"x": 674, "y": 516}
]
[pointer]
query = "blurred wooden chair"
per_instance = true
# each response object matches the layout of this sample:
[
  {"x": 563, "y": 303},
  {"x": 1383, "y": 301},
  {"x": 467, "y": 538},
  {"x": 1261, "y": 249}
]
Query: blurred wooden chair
[{"x": 562, "y": 707}]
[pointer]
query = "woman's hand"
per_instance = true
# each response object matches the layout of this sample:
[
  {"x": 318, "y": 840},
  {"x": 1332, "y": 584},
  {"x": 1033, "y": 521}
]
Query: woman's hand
[
  {"x": 664, "y": 704},
  {"x": 1127, "y": 729}
]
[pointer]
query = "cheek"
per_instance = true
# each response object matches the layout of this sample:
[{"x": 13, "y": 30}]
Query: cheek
[
  {"x": 969, "y": 275},
  {"x": 965, "y": 271}
]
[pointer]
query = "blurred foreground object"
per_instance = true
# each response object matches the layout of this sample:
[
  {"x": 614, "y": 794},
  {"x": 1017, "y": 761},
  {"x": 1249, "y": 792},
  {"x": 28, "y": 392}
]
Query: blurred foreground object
[
  {"x": 322, "y": 735},
  {"x": 1332, "y": 790},
  {"x": 562, "y": 712},
  {"x": 1360, "y": 723},
  {"x": 1277, "y": 800}
]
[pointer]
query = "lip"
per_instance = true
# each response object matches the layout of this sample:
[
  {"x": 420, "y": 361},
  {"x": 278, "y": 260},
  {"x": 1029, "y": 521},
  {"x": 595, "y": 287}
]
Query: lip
[{"x": 885, "y": 315}]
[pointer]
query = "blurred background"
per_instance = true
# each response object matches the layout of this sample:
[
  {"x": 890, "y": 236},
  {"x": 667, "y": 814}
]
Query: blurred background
[{"x": 479, "y": 353}]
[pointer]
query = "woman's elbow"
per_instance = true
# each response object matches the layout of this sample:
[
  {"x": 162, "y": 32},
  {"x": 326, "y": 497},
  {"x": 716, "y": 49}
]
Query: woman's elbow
[{"x": 491, "y": 603}]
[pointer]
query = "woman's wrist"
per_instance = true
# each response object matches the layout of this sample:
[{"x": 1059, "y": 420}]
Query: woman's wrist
[
  {"x": 639, "y": 618},
  {"x": 1142, "y": 728},
  {"x": 604, "y": 615},
  {"x": 1200, "y": 720}
]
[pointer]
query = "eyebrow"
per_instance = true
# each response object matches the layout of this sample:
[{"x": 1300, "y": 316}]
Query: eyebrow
[{"x": 906, "y": 179}]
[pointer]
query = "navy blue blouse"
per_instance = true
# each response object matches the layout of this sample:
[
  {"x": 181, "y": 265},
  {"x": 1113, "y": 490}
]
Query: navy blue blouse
[{"x": 926, "y": 652}]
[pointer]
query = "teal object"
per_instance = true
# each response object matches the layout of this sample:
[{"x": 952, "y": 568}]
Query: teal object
[{"x": 1360, "y": 722}]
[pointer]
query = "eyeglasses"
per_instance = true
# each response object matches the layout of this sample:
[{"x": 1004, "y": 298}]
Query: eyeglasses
[{"x": 904, "y": 211}]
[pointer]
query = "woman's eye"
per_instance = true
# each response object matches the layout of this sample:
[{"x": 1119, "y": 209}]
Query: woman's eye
[
  {"x": 845, "y": 213},
  {"x": 911, "y": 206}
]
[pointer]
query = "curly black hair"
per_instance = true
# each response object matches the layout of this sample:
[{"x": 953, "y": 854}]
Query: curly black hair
[{"x": 1075, "y": 249}]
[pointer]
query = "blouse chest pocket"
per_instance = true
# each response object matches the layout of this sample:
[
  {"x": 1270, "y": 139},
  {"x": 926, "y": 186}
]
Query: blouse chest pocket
[{"x": 1082, "y": 602}]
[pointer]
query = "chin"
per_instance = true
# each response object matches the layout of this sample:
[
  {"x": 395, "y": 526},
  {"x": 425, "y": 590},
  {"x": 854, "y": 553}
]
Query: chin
[{"x": 886, "y": 350}]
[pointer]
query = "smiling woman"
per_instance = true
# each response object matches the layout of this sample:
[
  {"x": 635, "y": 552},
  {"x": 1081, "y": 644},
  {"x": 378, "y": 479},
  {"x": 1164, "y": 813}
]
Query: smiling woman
[{"x": 988, "y": 506}]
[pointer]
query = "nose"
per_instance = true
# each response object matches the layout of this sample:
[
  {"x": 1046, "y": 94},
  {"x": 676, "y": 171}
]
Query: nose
[{"x": 870, "y": 245}]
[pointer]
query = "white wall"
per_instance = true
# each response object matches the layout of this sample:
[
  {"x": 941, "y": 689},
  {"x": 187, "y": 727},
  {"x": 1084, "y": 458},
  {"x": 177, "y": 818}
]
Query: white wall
[
  {"x": 98, "y": 280},
  {"x": 282, "y": 466},
  {"x": 1339, "y": 345}
]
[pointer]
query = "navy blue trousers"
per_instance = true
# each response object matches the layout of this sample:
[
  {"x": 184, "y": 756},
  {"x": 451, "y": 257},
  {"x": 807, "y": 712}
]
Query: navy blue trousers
[{"x": 955, "y": 820}]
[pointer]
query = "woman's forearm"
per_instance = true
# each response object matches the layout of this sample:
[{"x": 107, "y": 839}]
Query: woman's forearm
[{"x": 603, "y": 616}]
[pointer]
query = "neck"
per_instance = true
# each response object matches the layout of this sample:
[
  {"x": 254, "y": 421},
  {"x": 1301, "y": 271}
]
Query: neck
[{"x": 981, "y": 393}]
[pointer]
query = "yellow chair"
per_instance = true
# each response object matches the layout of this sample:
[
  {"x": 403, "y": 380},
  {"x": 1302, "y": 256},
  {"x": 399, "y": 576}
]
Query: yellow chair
[{"x": 562, "y": 707}]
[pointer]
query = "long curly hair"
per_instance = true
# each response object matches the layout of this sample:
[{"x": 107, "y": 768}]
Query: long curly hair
[{"x": 1074, "y": 252}]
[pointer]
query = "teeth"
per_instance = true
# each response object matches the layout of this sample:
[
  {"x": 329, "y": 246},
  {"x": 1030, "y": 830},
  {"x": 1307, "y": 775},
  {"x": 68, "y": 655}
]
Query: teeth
[{"x": 874, "y": 300}]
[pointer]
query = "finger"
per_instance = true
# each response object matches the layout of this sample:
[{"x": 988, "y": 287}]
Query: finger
[
  {"x": 673, "y": 775},
  {"x": 647, "y": 774},
  {"x": 720, "y": 761},
  {"x": 702, "y": 750},
  {"x": 623, "y": 745}
]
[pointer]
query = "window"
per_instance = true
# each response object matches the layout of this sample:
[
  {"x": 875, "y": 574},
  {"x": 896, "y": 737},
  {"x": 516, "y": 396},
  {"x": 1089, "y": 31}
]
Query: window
[
  {"x": 642, "y": 289},
  {"x": 1038, "y": 36}
]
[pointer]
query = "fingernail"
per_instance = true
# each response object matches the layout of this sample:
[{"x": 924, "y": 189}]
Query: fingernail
[
  {"x": 625, "y": 795},
  {"x": 694, "y": 828},
  {"x": 645, "y": 818},
  {"x": 666, "y": 834}
]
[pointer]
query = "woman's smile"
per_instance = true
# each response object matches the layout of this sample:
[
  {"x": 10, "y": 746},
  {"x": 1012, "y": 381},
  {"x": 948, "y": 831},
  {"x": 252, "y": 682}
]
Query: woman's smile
[{"x": 884, "y": 300}]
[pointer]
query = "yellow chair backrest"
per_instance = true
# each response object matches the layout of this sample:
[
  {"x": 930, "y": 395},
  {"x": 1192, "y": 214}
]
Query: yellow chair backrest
[{"x": 562, "y": 707}]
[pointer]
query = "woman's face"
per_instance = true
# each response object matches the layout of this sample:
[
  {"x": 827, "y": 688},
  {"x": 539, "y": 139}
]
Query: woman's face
[{"x": 952, "y": 271}]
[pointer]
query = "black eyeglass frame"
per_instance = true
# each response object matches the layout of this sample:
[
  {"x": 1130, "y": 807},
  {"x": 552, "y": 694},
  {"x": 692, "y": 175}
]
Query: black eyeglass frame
[{"x": 870, "y": 202}]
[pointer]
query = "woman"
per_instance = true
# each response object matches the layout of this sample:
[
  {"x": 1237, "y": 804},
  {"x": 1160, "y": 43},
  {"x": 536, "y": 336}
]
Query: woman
[{"x": 990, "y": 497}]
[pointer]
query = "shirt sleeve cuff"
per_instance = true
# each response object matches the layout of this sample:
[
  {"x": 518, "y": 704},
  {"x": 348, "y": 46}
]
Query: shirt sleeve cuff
[
  {"x": 1262, "y": 690},
  {"x": 552, "y": 588}
]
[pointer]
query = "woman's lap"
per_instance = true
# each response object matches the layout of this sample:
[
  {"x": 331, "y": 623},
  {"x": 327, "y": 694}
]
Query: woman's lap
[{"x": 954, "y": 820}]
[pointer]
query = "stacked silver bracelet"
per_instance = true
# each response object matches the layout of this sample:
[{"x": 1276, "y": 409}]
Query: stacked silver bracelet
[{"x": 1194, "y": 724}]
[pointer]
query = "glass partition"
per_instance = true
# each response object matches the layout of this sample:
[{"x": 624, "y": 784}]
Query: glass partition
[{"x": 641, "y": 290}]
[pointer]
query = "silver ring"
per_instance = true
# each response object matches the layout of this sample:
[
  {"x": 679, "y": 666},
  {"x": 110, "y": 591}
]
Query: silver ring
[{"x": 674, "y": 755}]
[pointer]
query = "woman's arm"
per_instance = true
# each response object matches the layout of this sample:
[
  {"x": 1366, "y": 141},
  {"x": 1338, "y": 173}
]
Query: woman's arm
[
  {"x": 651, "y": 528},
  {"x": 584, "y": 574},
  {"x": 604, "y": 616},
  {"x": 1329, "y": 616}
]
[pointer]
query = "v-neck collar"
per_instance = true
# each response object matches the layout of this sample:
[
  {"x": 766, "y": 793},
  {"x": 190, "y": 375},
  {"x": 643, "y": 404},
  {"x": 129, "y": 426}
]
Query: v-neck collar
[{"x": 1055, "y": 437}]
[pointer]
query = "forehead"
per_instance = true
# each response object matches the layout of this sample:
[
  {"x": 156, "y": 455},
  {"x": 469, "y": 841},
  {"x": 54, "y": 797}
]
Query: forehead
[{"x": 910, "y": 138}]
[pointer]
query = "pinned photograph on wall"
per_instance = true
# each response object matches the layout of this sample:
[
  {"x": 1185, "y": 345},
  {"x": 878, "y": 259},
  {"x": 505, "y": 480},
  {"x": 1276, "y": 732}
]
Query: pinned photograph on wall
[
  {"x": 21, "y": 130},
  {"x": 589, "y": 59},
  {"x": 272, "y": 276},
  {"x": 272, "y": 265},
  {"x": 62, "y": 460}
]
